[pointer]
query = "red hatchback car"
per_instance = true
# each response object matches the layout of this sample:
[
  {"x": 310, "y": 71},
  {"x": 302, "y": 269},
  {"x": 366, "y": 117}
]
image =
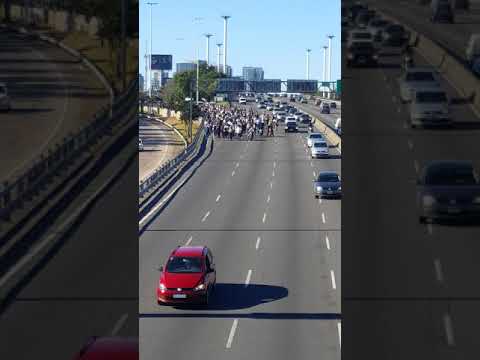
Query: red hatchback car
[
  {"x": 109, "y": 348},
  {"x": 189, "y": 276}
]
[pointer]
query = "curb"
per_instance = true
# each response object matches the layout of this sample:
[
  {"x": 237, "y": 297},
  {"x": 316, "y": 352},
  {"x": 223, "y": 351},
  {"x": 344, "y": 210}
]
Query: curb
[{"x": 171, "y": 127}]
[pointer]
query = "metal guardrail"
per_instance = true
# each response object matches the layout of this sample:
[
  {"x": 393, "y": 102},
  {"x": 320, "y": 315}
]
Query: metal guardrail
[
  {"x": 162, "y": 172},
  {"x": 13, "y": 194}
]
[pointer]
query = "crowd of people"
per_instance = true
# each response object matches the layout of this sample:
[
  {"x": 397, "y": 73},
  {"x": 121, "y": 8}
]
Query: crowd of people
[{"x": 238, "y": 123}]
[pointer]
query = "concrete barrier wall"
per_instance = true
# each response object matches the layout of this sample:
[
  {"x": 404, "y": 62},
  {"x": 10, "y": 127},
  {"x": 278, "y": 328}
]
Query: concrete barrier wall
[{"x": 434, "y": 54}]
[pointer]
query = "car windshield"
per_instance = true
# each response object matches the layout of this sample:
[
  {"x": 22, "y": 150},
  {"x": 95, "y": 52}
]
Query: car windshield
[
  {"x": 395, "y": 29},
  {"x": 451, "y": 176},
  {"x": 431, "y": 97},
  {"x": 315, "y": 136},
  {"x": 420, "y": 76},
  {"x": 179, "y": 264},
  {"x": 328, "y": 178},
  {"x": 320, "y": 144}
]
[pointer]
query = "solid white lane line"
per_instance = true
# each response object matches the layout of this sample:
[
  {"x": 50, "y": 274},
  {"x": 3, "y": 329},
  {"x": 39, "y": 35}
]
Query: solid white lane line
[
  {"x": 232, "y": 333},
  {"x": 339, "y": 329},
  {"x": 206, "y": 215},
  {"x": 119, "y": 324},
  {"x": 417, "y": 167},
  {"x": 438, "y": 270},
  {"x": 323, "y": 217},
  {"x": 189, "y": 241},
  {"x": 314, "y": 174},
  {"x": 218, "y": 197},
  {"x": 257, "y": 244},
  {"x": 264, "y": 217},
  {"x": 447, "y": 322},
  {"x": 332, "y": 275},
  {"x": 233, "y": 172},
  {"x": 328, "y": 242},
  {"x": 249, "y": 275}
]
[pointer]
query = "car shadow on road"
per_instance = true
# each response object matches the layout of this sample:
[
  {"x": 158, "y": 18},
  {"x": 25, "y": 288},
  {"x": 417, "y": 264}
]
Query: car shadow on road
[{"x": 227, "y": 296}]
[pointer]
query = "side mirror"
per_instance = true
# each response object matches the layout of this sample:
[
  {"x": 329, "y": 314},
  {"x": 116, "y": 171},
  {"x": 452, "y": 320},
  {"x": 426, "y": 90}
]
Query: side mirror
[{"x": 160, "y": 268}]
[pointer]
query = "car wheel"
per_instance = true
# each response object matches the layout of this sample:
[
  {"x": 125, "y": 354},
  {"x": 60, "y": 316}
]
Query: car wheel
[{"x": 316, "y": 196}]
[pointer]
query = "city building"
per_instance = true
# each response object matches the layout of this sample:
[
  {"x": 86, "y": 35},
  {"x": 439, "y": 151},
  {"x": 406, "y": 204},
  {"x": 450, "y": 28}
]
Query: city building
[
  {"x": 141, "y": 82},
  {"x": 252, "y": 73},
  {"x": 229, "y": 71},
  {"x": 189, "y": 66},
  {"x": 156, "y": 81}
]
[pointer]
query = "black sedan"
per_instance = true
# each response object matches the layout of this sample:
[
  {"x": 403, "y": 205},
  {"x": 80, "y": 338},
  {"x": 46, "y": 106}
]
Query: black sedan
[{"x": 327, "y": 185}]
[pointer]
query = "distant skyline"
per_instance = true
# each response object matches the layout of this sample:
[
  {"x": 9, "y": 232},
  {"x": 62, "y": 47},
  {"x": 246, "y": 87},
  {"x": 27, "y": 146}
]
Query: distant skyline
[{"x": 270, "y": 34}]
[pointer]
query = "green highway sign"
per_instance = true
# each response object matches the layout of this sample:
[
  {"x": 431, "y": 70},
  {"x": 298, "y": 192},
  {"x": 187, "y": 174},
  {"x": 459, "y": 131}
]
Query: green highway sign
[{"x": 339, "y": 86}]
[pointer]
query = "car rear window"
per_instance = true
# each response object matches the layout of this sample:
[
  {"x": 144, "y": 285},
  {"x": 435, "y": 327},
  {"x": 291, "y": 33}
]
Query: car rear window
[
  {"x": 420, "y": 76},
  {"x": 451, "y": 176},
  {"x": 316, "y": 136},
  {"x": 180, "y": 264},
  {"x": 431, "y": 97}
]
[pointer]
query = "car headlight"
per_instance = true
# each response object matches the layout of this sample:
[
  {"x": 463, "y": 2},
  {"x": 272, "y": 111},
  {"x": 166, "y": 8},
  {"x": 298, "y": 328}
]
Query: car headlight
[
  {"x": 375, "y": 57},
  {"x": 428, "y": 200},
  {"x": 199, "y": 287},
  {"x": 319, "y": 188},
  {"x": 339, "y": 188},
  {"x": 476, "y": 200},
  {"x": 162, "y": 287}
]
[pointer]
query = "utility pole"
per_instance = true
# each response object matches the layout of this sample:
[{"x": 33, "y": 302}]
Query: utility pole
[
  {"x": 225, "y": 20},
  {"x": 207, "y": 57},
  {"x": 324, "y": 65},
  {"x": 330, "y": 37},
  {"x": 150, "y": 62},
  {"x": 308, "y": 63}
]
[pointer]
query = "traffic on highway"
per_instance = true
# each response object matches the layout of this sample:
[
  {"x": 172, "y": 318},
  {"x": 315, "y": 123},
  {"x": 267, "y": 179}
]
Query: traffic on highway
[{"x": 412, "y": 136}]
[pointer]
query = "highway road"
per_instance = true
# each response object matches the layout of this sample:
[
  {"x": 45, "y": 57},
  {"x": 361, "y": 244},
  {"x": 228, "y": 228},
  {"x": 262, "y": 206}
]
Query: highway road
[
  {"x": 408, "y": 288},
  {"x": 451, "y": 36},
  {"x": 277, "y": 253},
  {"x": 89, "y": 286},
  {"x": 160, "y": 142},
  {"x": 52, "y": 94}
]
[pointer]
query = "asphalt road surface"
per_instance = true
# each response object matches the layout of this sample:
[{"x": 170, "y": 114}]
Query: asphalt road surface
[
  {"x": 160, "y": 142},
  {"x": 409, "y": 290},
  {"x": 89, "y": 287},
  {"x": 52, "y": 94},
  {"x": 277, "y": 252}
]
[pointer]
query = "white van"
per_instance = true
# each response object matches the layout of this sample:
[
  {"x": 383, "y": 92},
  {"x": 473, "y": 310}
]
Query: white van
[{"x": 338, "y": 126}]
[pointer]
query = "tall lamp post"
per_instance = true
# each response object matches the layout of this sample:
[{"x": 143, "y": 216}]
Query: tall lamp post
[{"x": 150, "y": 57}]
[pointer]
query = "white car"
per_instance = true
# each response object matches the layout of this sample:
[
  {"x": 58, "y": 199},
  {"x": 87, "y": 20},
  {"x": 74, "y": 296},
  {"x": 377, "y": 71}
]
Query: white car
[
  {"x": 414, "y": 78},
  {"x": 338, "y": 126},
  {"x": 269, "y": 107},
  {"x": 242, "y": 100},
  {"x": 280, "y": 115},
  {"x": 313, "y": 137},
  {"x": 5, "y": 103},
  {"x": 140, "y": 144},
  {"x": 319, "y": 149},
  {"x": 430, "y": 106}
]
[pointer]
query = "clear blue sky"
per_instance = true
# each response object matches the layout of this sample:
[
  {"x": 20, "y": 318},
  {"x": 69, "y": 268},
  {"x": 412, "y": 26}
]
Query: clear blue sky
[{"x": 267, "y": 33}]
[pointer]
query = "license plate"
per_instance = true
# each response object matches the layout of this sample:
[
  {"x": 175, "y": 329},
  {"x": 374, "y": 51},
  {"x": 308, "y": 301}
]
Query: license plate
[
  {"x": 453, "y": 210},
  {"x": 179, "y": 296},
  {"x": 329, "y": 192}
]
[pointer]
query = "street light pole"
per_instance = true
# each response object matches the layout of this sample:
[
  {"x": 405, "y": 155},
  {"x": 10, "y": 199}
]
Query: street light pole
[
  {"x": 308, "y": 63},
  {"x": 198, "y": 75},
  {"x": 225, "y": 19},
  {"x": 207, "y": 57},
  {"x": 150, "y": 62}
]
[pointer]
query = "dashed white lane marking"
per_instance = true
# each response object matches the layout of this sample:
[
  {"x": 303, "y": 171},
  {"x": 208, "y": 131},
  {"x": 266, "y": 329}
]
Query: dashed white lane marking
[
  {"x": 405, "y": 125},
  {"x": 264, "y": 217},
  {"x": 218, "y": 198},
  {"x": 339, "y": 329},
  {"x": 271, "y": 185},
  {"x": 274, "y": 164},
  {"x": 332, "y": 276},
  {"x": 268, "y": 199},
  {"x": 447, "y": 323},
  {"x": 438, "y": 270},
  {"x": 410, "y": 144},
  {"x": 249, "y": 276},
  {"x": 119, "y": 324},
  {"x": 323, "y": 217},
  {"x": 237, "y": 165},
  {"x": 233, "y": 172},
  {"x": 314, "y": 174},
  {"x": 205, "y": 216},
  {"x": 257, "y": 244},
  {"x": 429, "y": 229},
  {"x": 189, "y": 241},
  {"x": 399, "y": 110},
  {"x": 417, "y": 167},
  {"x": 232, "y": 333},
  {"x": 319, "y": 200},
  {"x": 328, "y": 242},
  {"x": 311, "y": 164},
  {"x": 273, "y": 173}
]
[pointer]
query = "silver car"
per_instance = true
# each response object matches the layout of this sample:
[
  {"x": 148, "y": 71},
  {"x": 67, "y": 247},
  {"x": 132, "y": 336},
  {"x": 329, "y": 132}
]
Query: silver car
[
  {"x": 415, "y": 78},
  {"x": 319, "y": 149},
  {"x": 328, "y": 184},
  {"x": 430, "y": 106},
  {"x": 314, "y": 137}
]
